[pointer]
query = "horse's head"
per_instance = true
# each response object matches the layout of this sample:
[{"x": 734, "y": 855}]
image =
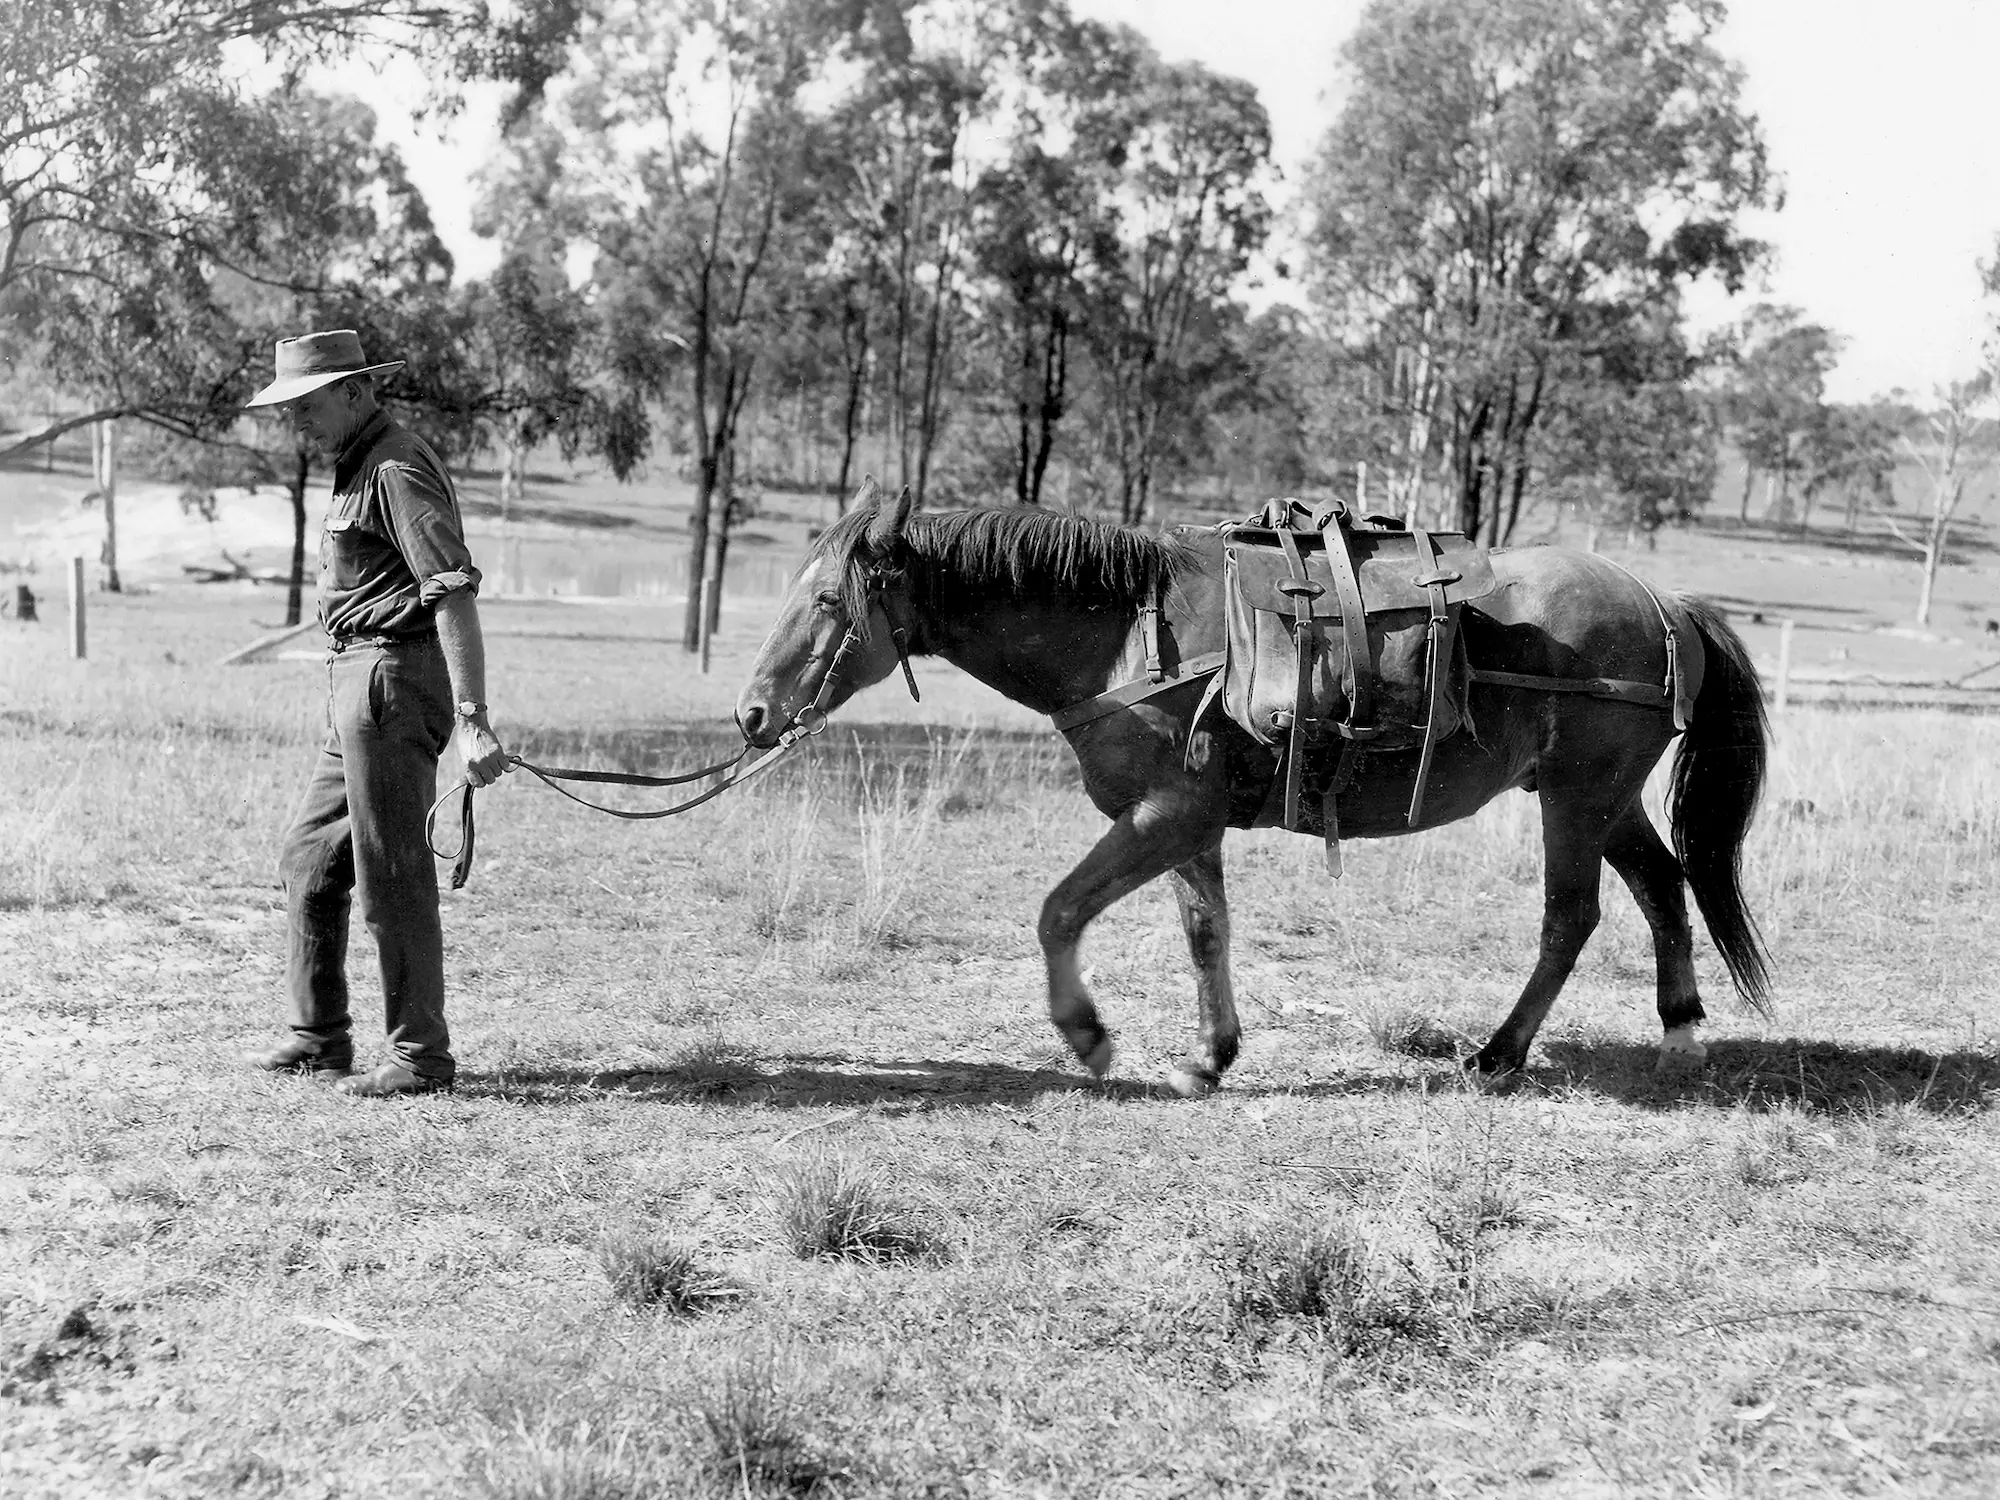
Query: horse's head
[{"x": 843, "y": 626}]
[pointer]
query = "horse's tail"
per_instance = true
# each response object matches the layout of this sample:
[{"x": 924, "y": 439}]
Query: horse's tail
[{"x": 1717, "y": 778}]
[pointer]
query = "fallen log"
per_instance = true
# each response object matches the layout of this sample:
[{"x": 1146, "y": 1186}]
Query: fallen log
[{"x": 264, "y": 643}]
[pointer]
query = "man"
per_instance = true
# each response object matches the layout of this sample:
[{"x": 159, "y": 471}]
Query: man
[{"x": 407, "y": 674}]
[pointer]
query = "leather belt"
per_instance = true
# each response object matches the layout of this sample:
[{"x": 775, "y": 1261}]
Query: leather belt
[{"x": 357, "y": 642}]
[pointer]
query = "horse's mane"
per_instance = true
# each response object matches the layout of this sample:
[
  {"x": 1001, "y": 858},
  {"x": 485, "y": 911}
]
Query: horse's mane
[{"x": 1016, "y": 552}]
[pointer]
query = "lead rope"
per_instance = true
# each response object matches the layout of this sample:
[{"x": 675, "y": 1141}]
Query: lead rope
[{"x": 809, "y": 721}]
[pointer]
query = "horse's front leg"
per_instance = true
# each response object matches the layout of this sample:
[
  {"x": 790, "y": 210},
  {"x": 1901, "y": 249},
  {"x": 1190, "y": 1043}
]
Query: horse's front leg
[
  {"x": 1205, "y": 919},
  {"x": 1143, "y": 842}
]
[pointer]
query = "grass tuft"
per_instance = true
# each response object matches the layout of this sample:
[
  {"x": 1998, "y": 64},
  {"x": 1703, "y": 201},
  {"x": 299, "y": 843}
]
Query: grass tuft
[
  {"x": 579, "y": 1465},
  {"x": 1411, "y": 1033},
  {"x": 833, "y": 1210},
  {"x": 654, "y": 1274},
  {"x": 1325, "y": 1278},
  {"x": 754, "y": 1423}
]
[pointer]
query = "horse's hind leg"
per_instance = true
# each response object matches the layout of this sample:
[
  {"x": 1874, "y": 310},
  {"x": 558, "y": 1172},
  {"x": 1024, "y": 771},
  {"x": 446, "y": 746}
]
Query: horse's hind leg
[
  {"x": 1142, "y": 843},
  {"x": 1205, "y": 918},
  {"x": 1649, "y": 869},
  {"x": 1573, "y": 830}
]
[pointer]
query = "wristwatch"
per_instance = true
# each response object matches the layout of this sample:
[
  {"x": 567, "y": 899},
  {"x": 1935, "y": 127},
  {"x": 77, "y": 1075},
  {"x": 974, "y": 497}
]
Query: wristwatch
[{"x": 468, "y": 709}]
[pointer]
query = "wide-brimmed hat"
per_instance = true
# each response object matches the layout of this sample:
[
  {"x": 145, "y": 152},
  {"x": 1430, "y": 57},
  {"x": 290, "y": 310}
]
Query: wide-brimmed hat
[{"x": 315, "y": 359}]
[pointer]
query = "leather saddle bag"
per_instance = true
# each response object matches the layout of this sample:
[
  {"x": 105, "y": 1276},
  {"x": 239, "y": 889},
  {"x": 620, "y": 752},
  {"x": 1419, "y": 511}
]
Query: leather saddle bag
[{"x": 1346, "y": 630}]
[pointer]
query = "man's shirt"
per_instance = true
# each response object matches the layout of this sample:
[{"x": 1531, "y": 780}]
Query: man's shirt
[{"x": 393, "y": 544}]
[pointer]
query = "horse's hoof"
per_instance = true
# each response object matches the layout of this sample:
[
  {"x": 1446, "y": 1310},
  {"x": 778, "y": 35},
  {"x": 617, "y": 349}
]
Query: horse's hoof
[
  {"x": 1098, "y": 1058},
  {"x": 1490, "y": 1077},
  {"x": 1193, "y": 1083},
  {"x": 1679, "y": 1051}
]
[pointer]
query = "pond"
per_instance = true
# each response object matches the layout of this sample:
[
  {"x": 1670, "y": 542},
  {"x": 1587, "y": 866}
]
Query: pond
[{"x": 619, "y": 566}]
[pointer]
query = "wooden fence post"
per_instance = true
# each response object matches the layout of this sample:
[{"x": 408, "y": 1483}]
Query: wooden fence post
[
  {"x": 76, "y": 597},
  {"x": 1784, "y": 692}
]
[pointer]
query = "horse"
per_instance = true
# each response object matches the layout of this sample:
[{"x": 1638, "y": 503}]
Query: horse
[{"x": 1046, "y": 608}]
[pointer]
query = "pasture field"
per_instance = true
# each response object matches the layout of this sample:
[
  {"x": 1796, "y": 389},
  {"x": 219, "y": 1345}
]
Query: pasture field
[{"x": 766, "y": 1175}]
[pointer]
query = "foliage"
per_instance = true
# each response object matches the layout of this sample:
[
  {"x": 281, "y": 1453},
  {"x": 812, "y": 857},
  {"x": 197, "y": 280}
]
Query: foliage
[
  {"x": 1962, "y": 442},
  {"x": 1773, "y": 398},
  {"x": 1630, "y": 441},
  {"x": 1191, "y": 147},
  {"x": 1507, "y": 188}
]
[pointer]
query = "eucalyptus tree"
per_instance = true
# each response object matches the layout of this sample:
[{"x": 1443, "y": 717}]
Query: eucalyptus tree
[
  {"x": 1774, "y": 396},
  {"x": 1629, "y": 438},
  {"x": 1191, "y": 149},
  {"x": 312, "y": 221},
  {"x": 528, "y": 341},
  {"x": 1505, "y": 185},
  {"x": 691, "y": 144}
]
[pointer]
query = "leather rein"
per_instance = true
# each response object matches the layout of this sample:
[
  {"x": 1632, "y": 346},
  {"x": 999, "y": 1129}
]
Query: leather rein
[{"x": 808, "y": 721}]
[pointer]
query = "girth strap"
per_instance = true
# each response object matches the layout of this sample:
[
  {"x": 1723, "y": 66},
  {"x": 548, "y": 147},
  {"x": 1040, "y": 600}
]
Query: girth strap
[
  {"x": 1124, "y": 696},
  {"x": 1651, "y": 694}
]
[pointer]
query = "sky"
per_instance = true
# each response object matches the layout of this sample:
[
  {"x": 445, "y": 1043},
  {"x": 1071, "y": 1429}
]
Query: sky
[{"x": 1877, "y": 117}]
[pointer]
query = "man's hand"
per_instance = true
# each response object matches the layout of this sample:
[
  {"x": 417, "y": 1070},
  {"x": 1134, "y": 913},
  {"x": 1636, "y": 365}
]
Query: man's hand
[{"x": 480, "y": 749}]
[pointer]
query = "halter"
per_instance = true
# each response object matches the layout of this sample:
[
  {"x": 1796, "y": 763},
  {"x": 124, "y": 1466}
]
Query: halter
[{"x": 811, "y": 719}]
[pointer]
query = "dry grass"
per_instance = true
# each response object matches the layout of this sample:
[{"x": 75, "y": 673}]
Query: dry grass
[
  {"x": 832, "y": 1209},
  {"x": 650, "y": 1273},
  {"x": 1345, "y": 1273}
]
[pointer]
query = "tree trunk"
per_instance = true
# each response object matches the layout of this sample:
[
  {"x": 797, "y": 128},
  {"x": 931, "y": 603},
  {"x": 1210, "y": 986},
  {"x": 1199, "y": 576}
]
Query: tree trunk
[
  {"x": 295, "y": 587},
  {"x": 1749, "y": 479},
  {"x": 514, "y": 466},
  {"x": 937, "y": 354},
  {"x": 1933, "y": 549},
  {"x": 857, "y": 385},
  {"x": 727, "y": 490},
  {"x": 704, "y": 497},
  {"x": 104, "y": 453},
  {"x": 1055, "y": 389}
]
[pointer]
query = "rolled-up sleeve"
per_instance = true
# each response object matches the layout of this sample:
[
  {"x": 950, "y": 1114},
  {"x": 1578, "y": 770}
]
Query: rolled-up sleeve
[{"x": 422, "y": 512}]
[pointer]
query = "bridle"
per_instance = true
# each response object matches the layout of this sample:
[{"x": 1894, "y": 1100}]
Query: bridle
[
  {"x": 808, "y": 721},
  {"x": 811, "y": 719}
]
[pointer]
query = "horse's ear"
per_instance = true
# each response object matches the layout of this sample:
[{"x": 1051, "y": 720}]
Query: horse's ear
[
  {"x": 869, "y": 494},
  {"x": 888, "y": 523}
]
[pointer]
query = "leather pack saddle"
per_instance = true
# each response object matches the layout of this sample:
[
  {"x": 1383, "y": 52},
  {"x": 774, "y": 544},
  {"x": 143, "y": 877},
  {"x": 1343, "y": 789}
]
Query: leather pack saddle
[{"x": 1345, "y": 629}]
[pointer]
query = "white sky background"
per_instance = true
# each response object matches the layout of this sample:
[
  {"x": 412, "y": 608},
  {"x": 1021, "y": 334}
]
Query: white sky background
[{"x": 1878, "y": 117}]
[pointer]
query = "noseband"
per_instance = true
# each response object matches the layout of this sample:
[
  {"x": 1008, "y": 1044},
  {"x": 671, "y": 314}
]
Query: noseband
[{"x": 811, "y": 719}]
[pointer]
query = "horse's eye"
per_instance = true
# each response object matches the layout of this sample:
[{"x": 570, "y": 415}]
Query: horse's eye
[{"x": 828, "y": 599}]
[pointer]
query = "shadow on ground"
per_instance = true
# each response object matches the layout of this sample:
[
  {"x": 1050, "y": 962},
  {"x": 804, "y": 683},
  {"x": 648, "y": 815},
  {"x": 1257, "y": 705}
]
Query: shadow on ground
[
  {"x": 1755, "y": 1075},
  {"x": 1802, "y": 1073},
  {"x": 806, "y": 1081}
]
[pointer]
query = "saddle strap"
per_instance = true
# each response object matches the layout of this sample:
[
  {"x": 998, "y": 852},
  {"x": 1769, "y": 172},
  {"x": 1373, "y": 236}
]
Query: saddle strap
[
  {"x": 1305, "y": 642},
  {"x": 1437, "y": 660},
  {"x": 1354, "y": 625},
  {"x": 1149, "y": 635},
  {"x": 1124, "y": 696}
]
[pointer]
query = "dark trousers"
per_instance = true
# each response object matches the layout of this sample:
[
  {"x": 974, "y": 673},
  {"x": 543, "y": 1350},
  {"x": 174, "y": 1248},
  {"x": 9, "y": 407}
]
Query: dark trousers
[{"x": 359, "y": 831}]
